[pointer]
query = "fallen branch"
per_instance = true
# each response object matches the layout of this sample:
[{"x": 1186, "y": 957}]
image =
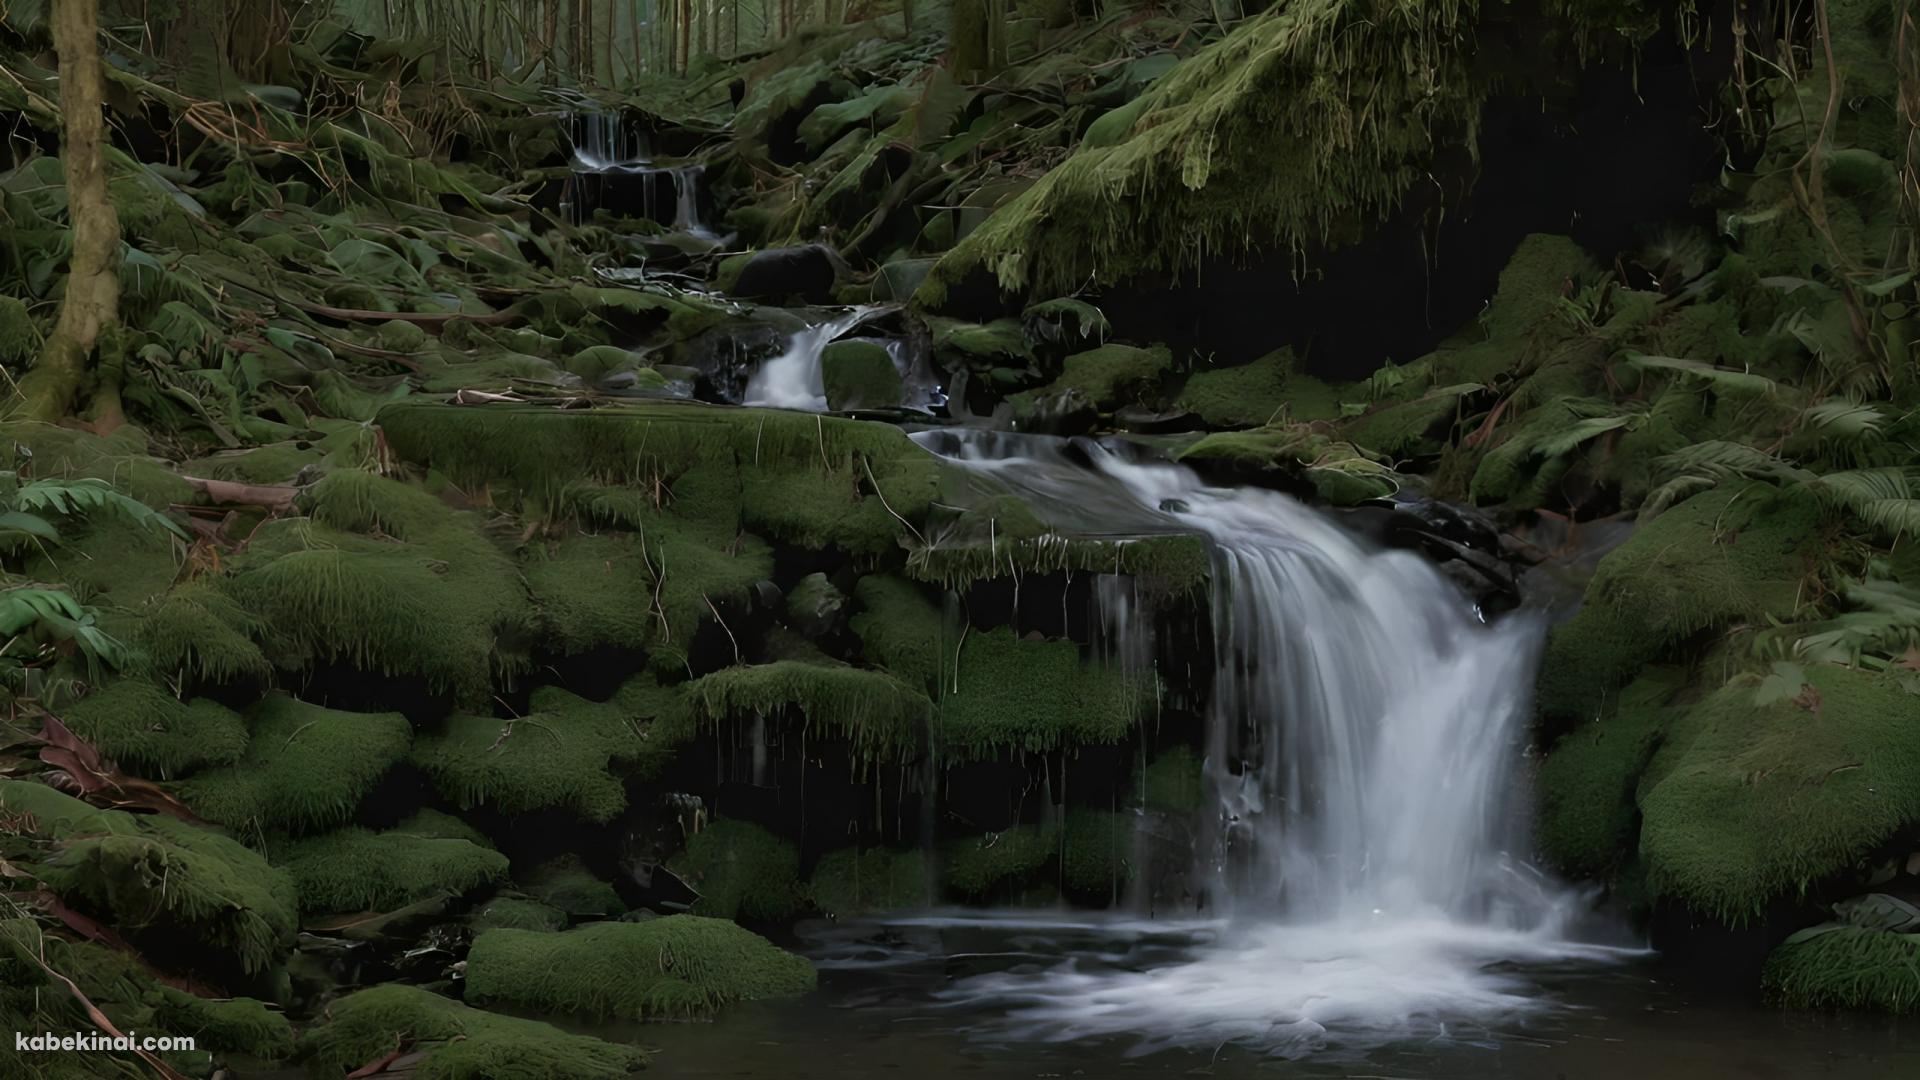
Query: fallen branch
[{"x": 276, "y": 498}]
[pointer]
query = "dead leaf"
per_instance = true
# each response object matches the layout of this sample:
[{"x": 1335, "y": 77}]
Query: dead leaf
[
  {"x": 1808, "y": 698},
  {"x": 78, "y": 765},
  {"x": 1909, "y": 660},
  {"x": 277, "y": 498}
]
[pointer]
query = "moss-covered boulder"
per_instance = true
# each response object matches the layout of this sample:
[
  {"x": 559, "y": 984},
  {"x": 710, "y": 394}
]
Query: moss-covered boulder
[
  {"x": 1845, "y": 967},
  {"x": 677, "y": 967},
  {"x": 460, "y": 1043},
  {"x": 567, "y": 885},
  {"x": 881, "y": 716},
  {"x": 158, "y": 877},
  {"x": 901, "y": 627},
  {"x": 855, "y": 881},
  {"x": 148, "y": 730},
  {"x": 860, "y": 375},
  {"x": 1299, "y": 458},
  {"x": 306, "y": 767},
  {"x": 1109, "y": 377},
  {"x": 741, "y": 871},
  {"x": 351, "y": 870},
  {"x": 1262, "y": 392}
]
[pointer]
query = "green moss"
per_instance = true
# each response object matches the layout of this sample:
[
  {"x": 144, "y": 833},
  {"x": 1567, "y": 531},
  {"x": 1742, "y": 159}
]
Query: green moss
[
  {"x": 1095, "y": 849},
  {"x": 1845, "y": 967},
  {"x": 1170, "y": 563},
  {"x": 977, "y": 866},
  {"x": 1589, "y": 816},
  {"x": 741, "y": 871},
  {"x": 436, "y": 825},
  {"x": 678, "y": 967},
  {"x": 236, "y": 1025},
  {"x": 387, "y": 578},
  {"x": 149, "y": 731},
  {"x": 355, "y": 870},
  {"x": 591, "y": 591},
  {"x": 1032, "y": 697},
  {"x": 306, "y": 767},
  {"x": 880, "y": 715},
  {"x": 1412, "y": 428},
  {"x": 198, "y": 629},
  {"x": 901, "y": 628},
  {"x": 1542, "y": 270},
  {"x": 860, "y": 375},
  {"x": 511, "y": 913},
  {"x": 1755, "y": 795},
  {"x": 1110, "y": 376},
  {"x": 1738, "y": 552},
  {"x": 1258, "y": 393},
  {"x": 275, "y": 463},
  {"x": 461, "y": 1043},
  {"x": 159, "y": 875},
  {"x": 565, "y": 883},
  {"x": 856, "y": 882},
  {"x": 1172, "y": 782},
  {"x": 964, "y": 341},
  {"x": 1339, "y": 473}
]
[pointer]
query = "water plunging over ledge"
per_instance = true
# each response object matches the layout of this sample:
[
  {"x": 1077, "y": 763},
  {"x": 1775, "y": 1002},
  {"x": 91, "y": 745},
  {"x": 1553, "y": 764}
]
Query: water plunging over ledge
[{"x": 1366, "y": 837}]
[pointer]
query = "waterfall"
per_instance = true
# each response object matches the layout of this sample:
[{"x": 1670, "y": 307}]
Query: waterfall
[
  {"x": 1366, "y": 870},
  {"x": 793, "y": 380}
]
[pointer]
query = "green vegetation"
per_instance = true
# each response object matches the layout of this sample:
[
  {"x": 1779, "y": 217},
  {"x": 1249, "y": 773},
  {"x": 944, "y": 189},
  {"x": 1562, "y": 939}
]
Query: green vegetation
[
  {"x": 145, "y": 727},
  {"x": 305, "y": 768},
  {"x": 881, "y": 716},
  {"x": 741, "y": 871},
  {"x": 676, "y": 967},
  {"x": 1846, "y": 967},
  {"x": 1032, "y": 697},
  {"x": 462, "y": 1043},
  {"x": 852, "y": 881},
  {"x": 352, "y": 870}
]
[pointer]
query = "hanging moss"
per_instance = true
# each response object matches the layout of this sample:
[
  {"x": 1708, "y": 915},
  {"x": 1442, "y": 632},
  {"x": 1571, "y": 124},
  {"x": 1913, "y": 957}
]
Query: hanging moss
[
  {"x": 356, "y": 870},
  {"x": 155, "y": 874},
  {"x": 1759, "y": 792},
  {"x": 1258, "y": 393},
  {"x": 677, "y": 967},
  {"x": 1171, "y": 563},
  {"x": 149, "y": 731},
  {"x": 880, "y": 715},
  {"x": 460, "y": 1043},
  {"x": 1032, "y": 697},
  {"x": 1845, "y": 967},
  {"x": 306, "y": 767},
  {"x": 566, "y": 884},
  {"x": 856, "y": 882},
  {"x": 741, "y": 871},
  {"x": 1742, "y": 551},
  {"x": 900, "y": 628},
  {"x": 1254, "y": 139}
]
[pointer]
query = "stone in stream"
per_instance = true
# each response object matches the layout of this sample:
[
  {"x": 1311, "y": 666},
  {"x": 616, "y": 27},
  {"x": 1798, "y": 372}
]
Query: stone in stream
[
  {"x": 808, "y": 272},
  {"x": 860, "y": 374}
]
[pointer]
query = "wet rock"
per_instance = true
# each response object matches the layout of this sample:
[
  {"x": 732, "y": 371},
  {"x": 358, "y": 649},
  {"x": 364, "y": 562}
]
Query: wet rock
[
  {"x": 860, "y": 374},
  {"x": 1144, "y": 421},
  {"x": 898, "y": 280},
  {"x": 808, "y": 272},
  {"x": 815, "y": 607},
  {"x": 1063, "y": 412}
]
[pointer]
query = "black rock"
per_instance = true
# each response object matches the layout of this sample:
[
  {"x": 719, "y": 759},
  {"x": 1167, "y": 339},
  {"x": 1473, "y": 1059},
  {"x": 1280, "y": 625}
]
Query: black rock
[{"x": 808, "y": 272}]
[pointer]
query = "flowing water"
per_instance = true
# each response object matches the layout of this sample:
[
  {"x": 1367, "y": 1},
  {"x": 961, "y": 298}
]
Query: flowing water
[{"x": 1365, "y": 873}]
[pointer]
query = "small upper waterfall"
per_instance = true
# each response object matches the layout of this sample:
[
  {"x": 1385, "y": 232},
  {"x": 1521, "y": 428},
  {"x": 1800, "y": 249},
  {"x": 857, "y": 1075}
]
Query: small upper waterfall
[
  {"x": 793, "y": 380},
  {"x": 1367, "y": 865}
]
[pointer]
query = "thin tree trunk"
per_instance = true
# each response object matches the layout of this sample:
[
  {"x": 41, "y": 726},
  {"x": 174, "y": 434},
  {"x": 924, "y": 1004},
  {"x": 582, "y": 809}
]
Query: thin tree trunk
[
  {"x": 686, "y": 33},
  {"x": 91, "y": 305}
]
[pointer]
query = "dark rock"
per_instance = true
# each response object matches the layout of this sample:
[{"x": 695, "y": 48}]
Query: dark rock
[
  {"x": 814, "y": 607},
  {"x": 808, "y": 272}
]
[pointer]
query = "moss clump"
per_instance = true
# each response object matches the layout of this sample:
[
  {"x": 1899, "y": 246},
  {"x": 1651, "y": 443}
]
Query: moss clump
[
  {"x": 1542, "y": 270},
  {"x": 901, "y": 629},
  {"x": 461, "y": 1043},
  {"x": 147, "y": 729},
  {"x": 678, "y": 967},
  {"x": 1338, "y": 473},
  {"x": 565, "y": 883},
  {"x": 856, "y": 882},
  {"x": 435, "y": 825},
  {"x": 513, "y": 913},
  {"x": 1032, "y": 697},
  {"x": 1258, "y": 393},
  {"x": 593, "y": 591},
  {"x": 1095, "y": 849},
  {"x": 197, "y": 629},
  {"x": 387, "y": 578},
  {"x": 860, "y": 375},
  {"x": 1109, "y": 376},
  {"x": 1845, "y": 967},
  {"x": 356, "y": 870},
  {"x": 1172, "y": 782},
  {"x": 741, "y": 871},
  {"x": 1589, "y": 814},
  {"x": 819, "y": 507},
  {"x": 307, "y": 767},
  {"x": 1757, "y": 794},
  {"x": 159, "y": 875},
  {"x": 977, "y": 866},
  {"x": 1736, "y": 552},
  {"x": 236, "y": 1025},
  {"x": 880, "y": 715}
]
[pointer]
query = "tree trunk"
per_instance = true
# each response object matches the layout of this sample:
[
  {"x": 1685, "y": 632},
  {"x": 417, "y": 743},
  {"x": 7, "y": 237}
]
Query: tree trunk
[{"x": 91, "y": 305}]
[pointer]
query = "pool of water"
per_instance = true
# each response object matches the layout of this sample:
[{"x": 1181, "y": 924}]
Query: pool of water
[{"x": 951, "y": 996}]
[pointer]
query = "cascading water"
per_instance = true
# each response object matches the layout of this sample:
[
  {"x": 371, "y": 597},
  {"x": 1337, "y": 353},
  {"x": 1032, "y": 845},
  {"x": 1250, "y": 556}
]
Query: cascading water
[
  {"x": 793, "y": 379},
  {"x": 1364, "y": 874}
]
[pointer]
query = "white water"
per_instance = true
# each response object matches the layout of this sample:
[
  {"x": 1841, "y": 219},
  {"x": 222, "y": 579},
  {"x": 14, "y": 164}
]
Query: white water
[
  {"x": 793, "y": 380},
  {"x": 1366, "y": 865}
]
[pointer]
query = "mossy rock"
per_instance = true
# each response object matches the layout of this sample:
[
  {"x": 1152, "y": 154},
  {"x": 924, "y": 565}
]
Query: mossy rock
[
  {"x": 977, "y": 866},
  {"x": 149, "y": 731},
  {"x": 352, "y": 870},
  {"x": 566, "y": 885},
  {"x": 1009, "y": 694},
  {"x": 1589, "y": 816},
  {"x": 1743, "y": 551},
  {"x": 677, "y": 967},
  {"x": 461, "y": 1043},
  {"x": 741, "y": 871},
  {"x": 901, "y": 628},
  {"x": 1845, "y": 967},
  {"x": 880, "y": 715},
  {"x": 1110, "y": 376},
  {"x": 161, "y": 876},
  {"x": 306, "y": 767},
  {"x": 197, "y": 629},
  {"x": 1172, "y": 782},
  {"x": 515, "y": 913},
  {"x": 1261, "y": 392},
  {"x": 852, "y": 881},
  {"x": 1543, "y": 269},
  {"x": 1764, "y": 789},
  {"x": 860, "y": 375},
  {"x": 1302, "y": 459},
  {"x": 240, "y": 1025},
  {"x": 437, "y": 825}
]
